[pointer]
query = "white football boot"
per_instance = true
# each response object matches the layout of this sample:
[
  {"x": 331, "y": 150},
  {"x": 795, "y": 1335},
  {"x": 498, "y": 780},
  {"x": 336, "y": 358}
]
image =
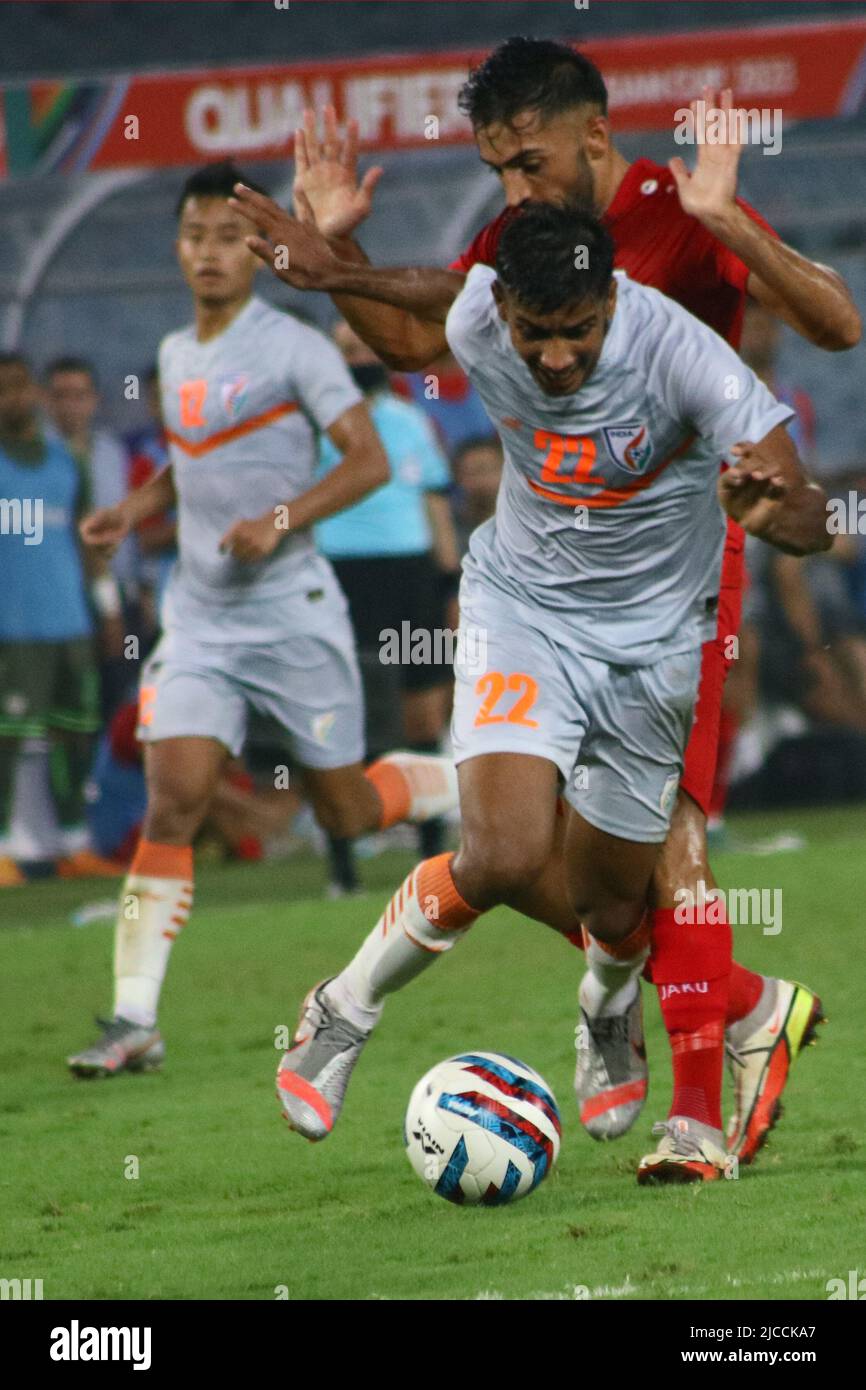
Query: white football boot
[
  {"x": 123, "y": 1046},
  {"x": 760, "y": 1049},
  {"x": 313, "y": 1075},
  {"x": 611, "y": 1076}
]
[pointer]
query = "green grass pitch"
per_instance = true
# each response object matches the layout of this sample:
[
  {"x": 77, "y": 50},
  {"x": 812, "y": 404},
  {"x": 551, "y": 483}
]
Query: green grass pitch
[{"x": 229, "y": 1204}]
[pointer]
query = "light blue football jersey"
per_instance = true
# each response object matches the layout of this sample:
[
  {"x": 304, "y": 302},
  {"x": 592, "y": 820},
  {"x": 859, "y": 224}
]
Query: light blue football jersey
[
  {"x": 391, "y": 520},
  {"x": 607, "y": 523},
  {"x": 44, "y": 593},
  {"x": 243, "y": 414}
]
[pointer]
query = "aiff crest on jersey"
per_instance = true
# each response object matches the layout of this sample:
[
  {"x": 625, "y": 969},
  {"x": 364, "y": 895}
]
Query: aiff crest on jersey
[{"x": 629, "y": 446}]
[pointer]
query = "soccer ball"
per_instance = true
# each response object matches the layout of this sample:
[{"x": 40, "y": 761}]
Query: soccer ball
[{"x": 482, "y": 1129}]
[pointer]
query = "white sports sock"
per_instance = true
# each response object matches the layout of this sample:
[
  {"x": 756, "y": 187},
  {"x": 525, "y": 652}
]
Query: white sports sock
[
  {"x": 608, "y": 986},
  {"x": 414, "y": 786},
  {"x": 152, "y": 912},
  {"x": 425, "y": 918}
]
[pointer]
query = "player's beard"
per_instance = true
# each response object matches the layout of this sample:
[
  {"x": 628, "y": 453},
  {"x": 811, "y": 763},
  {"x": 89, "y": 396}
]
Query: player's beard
[{"x": 581, "y": 195}]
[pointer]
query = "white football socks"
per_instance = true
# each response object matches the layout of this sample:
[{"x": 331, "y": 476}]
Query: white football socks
[
  {"x": 608, "y": 985},
  {"x": 152, "y": 912},
  {"x": 425, "y": 918}
]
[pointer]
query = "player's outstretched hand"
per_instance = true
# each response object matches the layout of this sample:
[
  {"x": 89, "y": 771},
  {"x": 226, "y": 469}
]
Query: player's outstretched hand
[
  {"x": 252, "y": 540},
  {"x": 750, "y": 490},
  {"x": 296, "y": 251},
  {"x": 103, "y": 530},
  {"x": 709, "y": 191},
  {"x": 326, "y": 188}
]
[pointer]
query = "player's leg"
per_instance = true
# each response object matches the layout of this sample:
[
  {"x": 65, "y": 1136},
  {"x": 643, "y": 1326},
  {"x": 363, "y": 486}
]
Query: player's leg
[
  {"x": 182, "y": 775},
  {"x": 631, "y": 761},
  {"x": 192, "y": 716},
  {"x": 702, "y": 991},
  {"x": 509, "y": 770},
  {"x": 312, "y": 687},
  {"x": 425, "y": 918}
]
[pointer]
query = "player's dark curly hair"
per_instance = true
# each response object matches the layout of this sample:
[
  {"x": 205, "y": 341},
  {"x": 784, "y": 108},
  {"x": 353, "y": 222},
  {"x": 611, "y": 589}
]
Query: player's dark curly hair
[
  {"x": 549, "y": 257},
  {"x": 526, "y": 74},
  {"x": 216, "y": 181}
]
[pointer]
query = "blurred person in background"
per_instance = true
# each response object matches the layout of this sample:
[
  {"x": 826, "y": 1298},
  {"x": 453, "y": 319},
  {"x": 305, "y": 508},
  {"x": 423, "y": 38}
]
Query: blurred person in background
[
  {"x": 49, "y": 686},
  {"x": 240, "y": 819},
  {"x": 73, "y": 401},
  {"x": 799, "y": 613},
  {"x": 477, "y": 468},
  {"x": 156, "y": 537},
  {"x": 448, "y": 399},
  {"x": 395, "y": 554}
]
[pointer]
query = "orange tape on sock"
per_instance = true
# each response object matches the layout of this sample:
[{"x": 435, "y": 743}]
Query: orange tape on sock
[{"x": 162, "y": 861}]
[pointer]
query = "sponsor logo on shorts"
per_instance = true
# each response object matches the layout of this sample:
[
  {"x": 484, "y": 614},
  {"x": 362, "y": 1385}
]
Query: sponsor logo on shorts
[
  {"x": 669, "y": 791},
  {"x": 322, "y": 726},
  {"x": 629, "y": 445}
]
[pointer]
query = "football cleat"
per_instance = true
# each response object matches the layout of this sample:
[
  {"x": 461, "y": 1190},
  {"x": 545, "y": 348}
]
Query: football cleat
[
  {"x": 688, "y": 1152},
  {"x": 313, "y": 1075},
  {"x": 760, "y": 1053},
  {"x": 611, "y": 1076},
  {"x": 124, "y": 1046}
]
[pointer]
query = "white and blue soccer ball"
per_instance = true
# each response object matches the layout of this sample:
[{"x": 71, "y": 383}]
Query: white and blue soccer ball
[{"x": 482, "y": 1129}]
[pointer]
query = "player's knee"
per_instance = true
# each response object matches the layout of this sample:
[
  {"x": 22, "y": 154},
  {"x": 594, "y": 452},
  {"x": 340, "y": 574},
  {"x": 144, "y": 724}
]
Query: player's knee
[
  {"x": 174, "y": 814},
  {"x": 610, "y": 922},
  {"x": 493, "y": 868}
]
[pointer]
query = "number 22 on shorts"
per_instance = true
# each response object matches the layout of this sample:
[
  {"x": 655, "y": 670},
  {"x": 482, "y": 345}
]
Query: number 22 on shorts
[{"x": 493, "y": 685}]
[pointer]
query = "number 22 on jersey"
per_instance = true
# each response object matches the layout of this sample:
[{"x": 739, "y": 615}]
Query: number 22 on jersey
[{"x": 493, "y": 686}]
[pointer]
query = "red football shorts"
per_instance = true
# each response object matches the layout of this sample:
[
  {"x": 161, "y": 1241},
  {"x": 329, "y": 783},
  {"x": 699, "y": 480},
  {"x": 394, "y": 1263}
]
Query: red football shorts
[{"x": 699, "y": 770}]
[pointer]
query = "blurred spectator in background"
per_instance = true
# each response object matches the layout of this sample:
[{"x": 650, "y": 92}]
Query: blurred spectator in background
[
  {"x": 72, "y": 399},
  {"x": 448, "y": 399},
  {"x": 48, "y": 677},
  {"x": 156, "y": 538},
  {"x": 803, "y": 640},
  {"x": 395, "y": 555},
  {"x": 477, "y": 469},
  {"x": 241, "y": 818}
]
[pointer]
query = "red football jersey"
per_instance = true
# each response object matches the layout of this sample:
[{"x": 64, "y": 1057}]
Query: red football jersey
[{"x": 658, "y": 244}]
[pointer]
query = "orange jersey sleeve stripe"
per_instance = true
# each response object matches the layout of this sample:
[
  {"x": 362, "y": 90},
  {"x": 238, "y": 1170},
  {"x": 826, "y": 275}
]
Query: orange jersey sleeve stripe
[{"x": 214, "y": 441}]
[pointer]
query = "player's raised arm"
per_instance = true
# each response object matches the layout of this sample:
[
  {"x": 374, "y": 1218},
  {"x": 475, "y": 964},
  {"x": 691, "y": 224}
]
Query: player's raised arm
[
  {"x": 329, "y": 192},
  {"x": 768, "y": 493},
  {"x": 813, "y": 299},
  {"x": 298, "y": 254}
]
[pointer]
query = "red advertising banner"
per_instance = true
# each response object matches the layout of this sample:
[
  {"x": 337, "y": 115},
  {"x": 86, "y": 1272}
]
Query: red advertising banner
[{"x": 806, "y": 70}]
